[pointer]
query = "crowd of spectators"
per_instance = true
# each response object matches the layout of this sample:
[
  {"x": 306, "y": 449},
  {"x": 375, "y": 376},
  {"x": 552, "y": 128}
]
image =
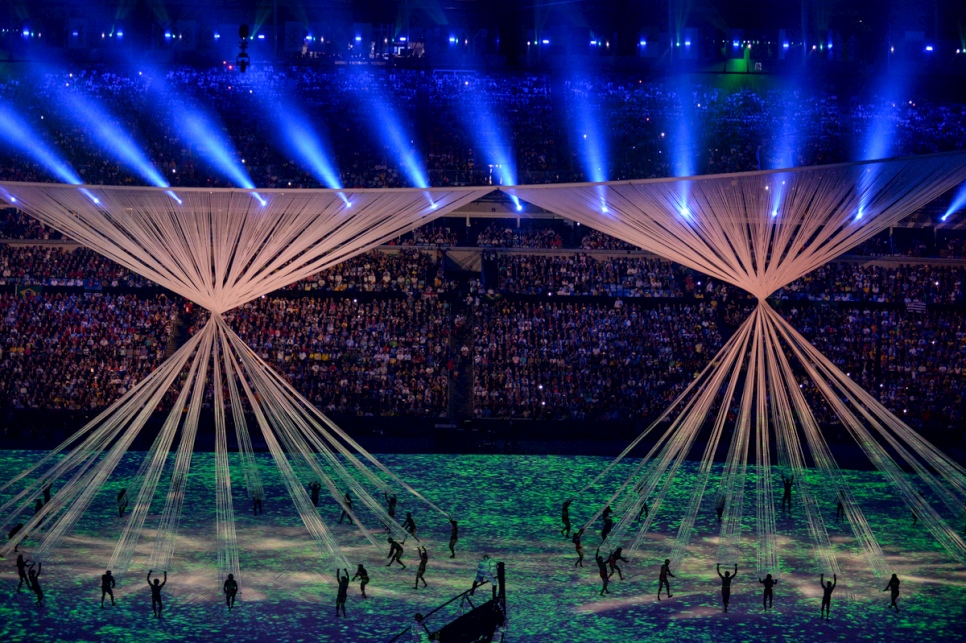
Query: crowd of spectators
[
  {"x": 902, "y": 284},
  {"x": 580, "y": 274},
  {"x": 405, "y": 271},
  {"x": 385, "y": 358},
  {"x": 15, "y": 224},
  {"x": 583, "y": 361},
  {"x": 78, "y": 351},
  {"x": 650, "y": 129},
  {"x": 499, "y": 236},
  {"x": 59, "y": 265},
  {"x": 912, "y": 362}
]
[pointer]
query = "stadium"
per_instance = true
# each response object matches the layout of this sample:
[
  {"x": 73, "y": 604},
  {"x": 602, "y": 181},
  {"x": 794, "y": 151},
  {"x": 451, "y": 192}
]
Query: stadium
[{"x": 538, "y": 308}]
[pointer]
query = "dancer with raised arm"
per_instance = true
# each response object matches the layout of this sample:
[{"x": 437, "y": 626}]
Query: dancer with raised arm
[
  {"x": 421, "y": 570},
  {"x": 787, "y": 494},
  {"x": 615, "y": 557},
  {"x": 565, "y": 517},
  {"x": 579, "y": 546},
  {"x": 156, "y": 605},
  {"x": 726, "y": 584},
  {"x": 343, "y": 591},
  {"x": 827, "y": 589},
  {"x": 602, "y": 570},
  {"x": 33, "y": 581}
]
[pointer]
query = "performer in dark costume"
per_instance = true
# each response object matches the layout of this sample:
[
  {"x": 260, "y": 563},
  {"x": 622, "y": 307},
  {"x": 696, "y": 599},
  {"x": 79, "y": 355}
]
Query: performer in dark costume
[
  {"x": 22, "y": 571},
  {"x": 33, "y": 581},
  {"x": 608, "y": 526},
  {"x": 719, "y": 506},
  {"x": 410, "y": 525},
  {"x": 230, "y": 588},
  {"x": 787, "y": 495},
  {"x": 615, "y": 557},
  {"x": 156, "y": 605},
  {"x": 343, "y": 591},
  {"x": 453, "y": 537},
  {"x": 395, "y": 553},
  {"x": 314, "y": 488},
  {"x": 726, "y": 584},
  {"x": 390, "y": 504},
  {"x": 827, "y": 588},
  {"x": 107, "y": 587},
  {"x": 662, "y": 579},
  {"x": 602, "y": 570},
  {"x": 363, "y": 577},
  {"x": 257, "y": 503},
  {"x": 643, "y": 512},
  {"x": 769, "y": 597},
  {"x": 421, "y": 570},
  {"x": 894, "y": 586},
  {"x": 579, "y": 546},
  {"x": 565, "y": 517},
  {"x": 346, "y": 508}
]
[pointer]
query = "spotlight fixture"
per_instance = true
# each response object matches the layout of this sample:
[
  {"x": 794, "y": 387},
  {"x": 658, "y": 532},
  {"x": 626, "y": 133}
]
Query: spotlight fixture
[{"x": 243, "y": 60}]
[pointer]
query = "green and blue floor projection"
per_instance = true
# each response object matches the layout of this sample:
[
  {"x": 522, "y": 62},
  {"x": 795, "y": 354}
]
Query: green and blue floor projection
[{"x": 508, "y": 507}]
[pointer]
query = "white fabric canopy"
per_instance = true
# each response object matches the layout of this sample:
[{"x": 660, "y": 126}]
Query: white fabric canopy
[{"x": 760, "y": 231}]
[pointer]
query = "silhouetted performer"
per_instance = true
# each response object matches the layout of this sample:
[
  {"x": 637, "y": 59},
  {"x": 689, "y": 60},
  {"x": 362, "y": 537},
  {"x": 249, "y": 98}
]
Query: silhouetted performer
[
  {"x": 606, "y": 529},
  {"x": 840, "y": 510},
  {"x": 602, "y": 570},
  {"x": 46, "y": 491},
  {"x": 719, "y": 506},
  {"x": 421, "y": 570},
  {"x": 314, "y": 488},
  {"x": 565, "y": 517},
  {"x": 346, "y": 508},
  {"x": 769, "y": 598},
  {"x": 13, "y": 533},
  {"x": 395, "y": 553},
  {"x": 363, "y": 577},
  {"x": 827, "y": 596},
  {"x": 484, "y": 574},
  {"x": 257, "y": 503},
  {"x": 33, "y": 581},
  {"x": 894, "y": 586},
  {"x": 230, "y": 588},
  {"x": 107, "y": 587},
  {"x": 606, "y": 513},
  {"x": 454, "y": 535},
  {"x": 787, "y": 495},
  {"x": 726, "y": 584},
  {"x": 156, "y": 605},
  {"x": 390, "y": 504},
  {"x": 662, "y": 579},
  {"x": 410, "y": 525},
  {"x": 579, "y": 546},
  {"x": 643, "y": 512},
  {"x": 615, "y": 557},
  {"x": 121, "y": 502},
  {"x": 343, "y": 591},
  {"x": 22, "y": 571}
]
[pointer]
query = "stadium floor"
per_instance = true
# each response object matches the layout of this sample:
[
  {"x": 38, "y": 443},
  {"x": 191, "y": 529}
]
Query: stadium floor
[{"x": 507, "y": 506}]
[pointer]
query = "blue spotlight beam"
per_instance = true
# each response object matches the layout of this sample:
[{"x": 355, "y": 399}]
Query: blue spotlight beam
[
  {"x": 958, "y": 203},
  {"x": 393, "y": 135},
  {"x": 112, "y": 138},
  {"x": 480, "y": 121},
  {"x": 301, "y": 140},
  {"x": 18, "y": 134}
]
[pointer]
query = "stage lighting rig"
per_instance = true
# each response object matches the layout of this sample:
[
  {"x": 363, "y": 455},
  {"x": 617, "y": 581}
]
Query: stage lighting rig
[{"x": 243, "y": 60}]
